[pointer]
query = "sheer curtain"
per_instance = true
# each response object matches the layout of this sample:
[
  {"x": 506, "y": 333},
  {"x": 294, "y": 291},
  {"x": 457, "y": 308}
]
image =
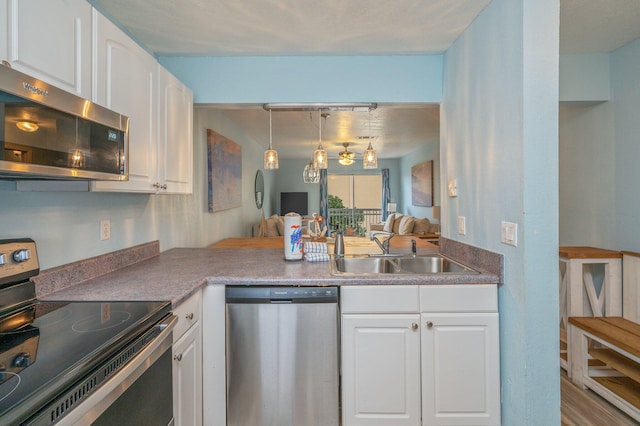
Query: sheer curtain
[{"x": 385, "y": 193}]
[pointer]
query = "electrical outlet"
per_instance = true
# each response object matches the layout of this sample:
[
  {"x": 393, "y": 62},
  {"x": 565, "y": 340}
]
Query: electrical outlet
[
  {"x": 509, "y": 233},
  {"x": 105, "y": 229},
  {"x": 462, "y": 225},
  {"x": 452, "y": 188}
]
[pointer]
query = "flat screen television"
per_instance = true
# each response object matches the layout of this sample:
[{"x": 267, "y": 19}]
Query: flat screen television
[{"x": 294, "y": 202}]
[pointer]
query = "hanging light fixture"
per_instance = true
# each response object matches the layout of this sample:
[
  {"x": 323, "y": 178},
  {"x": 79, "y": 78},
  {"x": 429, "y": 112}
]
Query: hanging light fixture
[
  {"x": 370, "y": 158},
  {"x": 270, "y": 155},
  {"x": 320, "y": 160},
  {"x": 310, "y": 174},
  {"x": 346, "y": 157}
]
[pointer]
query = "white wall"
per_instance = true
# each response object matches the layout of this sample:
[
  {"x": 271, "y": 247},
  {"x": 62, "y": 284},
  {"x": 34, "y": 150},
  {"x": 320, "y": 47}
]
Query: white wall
[
  {"x": 499, "y": 140},
  {"x": 65, "y": 225}
]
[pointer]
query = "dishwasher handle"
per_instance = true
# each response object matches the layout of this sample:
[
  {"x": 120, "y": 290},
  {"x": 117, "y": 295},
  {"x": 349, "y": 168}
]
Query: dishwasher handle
[{"x": 246, "y": 294}]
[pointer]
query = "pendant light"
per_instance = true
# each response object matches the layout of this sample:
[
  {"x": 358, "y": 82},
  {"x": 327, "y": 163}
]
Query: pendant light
[
  {"x": 310, "y": 173},
  {"x": 270, "y": 155},
  {"x": 320, "y": 155},
  {"x": 370, "y": 158}
]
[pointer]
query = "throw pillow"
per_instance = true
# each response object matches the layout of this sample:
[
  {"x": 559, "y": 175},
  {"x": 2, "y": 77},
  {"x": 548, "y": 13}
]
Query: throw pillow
[
  {"x": 280, "y": 225},
  {"x": 397, "y": 219},
  {"x": 422, "y": 226},
  {"x": 272, "y": 227},
  {"x": 406, "y": 225},
  {"x": 388, "y": 224}
]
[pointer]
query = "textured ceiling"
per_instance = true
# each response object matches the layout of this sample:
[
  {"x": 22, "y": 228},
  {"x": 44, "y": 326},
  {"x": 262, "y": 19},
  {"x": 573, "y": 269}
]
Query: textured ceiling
[{"x": 345, "y": 27}]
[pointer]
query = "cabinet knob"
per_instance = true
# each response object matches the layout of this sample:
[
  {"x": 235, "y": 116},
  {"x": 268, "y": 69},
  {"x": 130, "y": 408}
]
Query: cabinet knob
[
  {"x": 164, "y": 186},
  {"x": 156, "y": 185},
  {"x": 414, "y": 326},
  {"x": 429, "y": 324},
  {"x": 178, "y": 357},
  {"x": 189, "y": 316}
]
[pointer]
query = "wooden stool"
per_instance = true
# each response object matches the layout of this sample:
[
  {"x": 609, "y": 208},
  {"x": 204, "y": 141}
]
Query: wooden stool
[{"x": 578, "y": 294}]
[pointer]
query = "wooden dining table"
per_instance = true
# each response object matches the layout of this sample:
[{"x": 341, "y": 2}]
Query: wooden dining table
[{"x": 353, "y": 245}]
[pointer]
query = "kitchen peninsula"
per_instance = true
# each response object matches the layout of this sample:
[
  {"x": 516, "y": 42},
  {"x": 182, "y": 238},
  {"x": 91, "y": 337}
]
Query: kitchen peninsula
[{"x": 194, "y": 279}]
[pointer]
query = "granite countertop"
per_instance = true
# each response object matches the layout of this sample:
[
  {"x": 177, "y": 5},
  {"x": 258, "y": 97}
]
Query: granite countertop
[{"x": 176, "y": 274}]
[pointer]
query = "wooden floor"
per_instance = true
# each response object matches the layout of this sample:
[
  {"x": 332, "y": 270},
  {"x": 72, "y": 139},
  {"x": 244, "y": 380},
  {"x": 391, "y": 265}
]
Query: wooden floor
[{"x": 584, "y": 408}]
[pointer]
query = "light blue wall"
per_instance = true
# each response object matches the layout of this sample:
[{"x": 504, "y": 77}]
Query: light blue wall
[
  {"x": 499, "y": 140},
  {"x": 599, "y": 199},
  {"x": 430, "y": 150},
  {"x": 584, "y": 77},
  {"x": 625, "y": 65},
  {"x": 310, "y": 78},
  {"x": 65, "y": 225},
  {"x": 587, "y": 176}
]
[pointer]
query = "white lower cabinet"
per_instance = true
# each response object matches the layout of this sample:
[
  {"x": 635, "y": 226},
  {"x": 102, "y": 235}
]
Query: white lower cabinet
[
  {"x": 381, "y": 369},
  {"x": 420, "y": 355},
  {"x": 187, "y": 363},
  {"x": 460, "y": 369}
]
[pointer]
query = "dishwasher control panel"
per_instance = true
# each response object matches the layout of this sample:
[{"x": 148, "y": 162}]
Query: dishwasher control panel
[{"x": 255, "y": 294}]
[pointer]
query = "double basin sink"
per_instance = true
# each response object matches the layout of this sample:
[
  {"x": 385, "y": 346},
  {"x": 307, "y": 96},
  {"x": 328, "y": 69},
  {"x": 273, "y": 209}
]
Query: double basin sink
[{"x": 396, "y": 264}]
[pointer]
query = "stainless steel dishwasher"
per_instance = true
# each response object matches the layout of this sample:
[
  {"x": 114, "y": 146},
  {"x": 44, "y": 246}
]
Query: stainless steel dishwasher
[{"x": 282, "y": 356}]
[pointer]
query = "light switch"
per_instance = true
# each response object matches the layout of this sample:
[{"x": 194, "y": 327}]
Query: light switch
[
  {"x": 509, "y": 233},
  {"x": 462, "y": 226}
]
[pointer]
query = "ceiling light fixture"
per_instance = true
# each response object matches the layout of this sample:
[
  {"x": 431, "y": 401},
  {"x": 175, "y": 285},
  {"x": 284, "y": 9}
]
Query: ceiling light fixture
[
  {"x": 27, "y": 126},
  {"x": 320, "y": 155},
  {"x": 346, "y": 157},
  {"x": 320, "y": 106},
  {"x": 370, "y": 158},
  {"x": 270, "y": 155}
]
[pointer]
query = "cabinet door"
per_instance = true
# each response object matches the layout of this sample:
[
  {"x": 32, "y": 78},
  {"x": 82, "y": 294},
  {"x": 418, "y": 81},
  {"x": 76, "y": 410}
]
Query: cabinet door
[
  {"x": 380, "y": 369},
  {"x": 460, "y": 369},
  {"x": 49, "y": 40},
  {"x": 126, "y": 83},
  {"x": 175, "y": 135},
  {"x": 187, "y": 378}
]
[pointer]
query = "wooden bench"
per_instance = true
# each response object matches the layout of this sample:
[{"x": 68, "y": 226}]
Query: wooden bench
[{"x": 605, "y": 357}]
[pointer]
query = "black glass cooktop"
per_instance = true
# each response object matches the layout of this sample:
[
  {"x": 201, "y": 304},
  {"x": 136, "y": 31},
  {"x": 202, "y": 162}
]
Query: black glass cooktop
[{"x": 47, "y": 347}]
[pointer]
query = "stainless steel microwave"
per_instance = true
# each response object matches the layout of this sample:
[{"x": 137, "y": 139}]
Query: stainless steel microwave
[{"x": 48, "y": 133}]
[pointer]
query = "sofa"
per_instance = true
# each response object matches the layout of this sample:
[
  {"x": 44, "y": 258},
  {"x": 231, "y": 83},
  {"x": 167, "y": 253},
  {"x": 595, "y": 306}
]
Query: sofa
[
  {"x": 401, "y": 224},
  {"x": 273, "y": 226}
]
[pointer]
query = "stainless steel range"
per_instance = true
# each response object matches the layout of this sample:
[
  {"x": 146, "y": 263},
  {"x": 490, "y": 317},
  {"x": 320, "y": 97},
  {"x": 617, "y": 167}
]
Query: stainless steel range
[{"x": 79, "y": 362}]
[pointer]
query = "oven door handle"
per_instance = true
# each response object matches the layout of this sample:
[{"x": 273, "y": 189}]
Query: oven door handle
[{"x": 98, "y": 402}]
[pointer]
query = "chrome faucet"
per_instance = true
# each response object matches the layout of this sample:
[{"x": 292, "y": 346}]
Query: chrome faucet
[{"x": 384, "y": 246}]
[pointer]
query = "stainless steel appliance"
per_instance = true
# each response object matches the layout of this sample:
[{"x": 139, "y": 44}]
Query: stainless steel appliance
[
  {"x": 282, "y": 356},
  {"x": 47, "y": 133},
  {"x": 79, "y": 362}
]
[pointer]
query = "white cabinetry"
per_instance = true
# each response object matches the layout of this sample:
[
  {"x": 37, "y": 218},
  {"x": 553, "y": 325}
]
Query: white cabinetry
[
  {"x": 175, "y": 135},
  {"x": 441, "y": 367},
  {"x": 49, "y": 40},
  {"x": 380, "y": 356},
  {"x": 126, "y": 82},
  {"x": 187, "y": 363}
]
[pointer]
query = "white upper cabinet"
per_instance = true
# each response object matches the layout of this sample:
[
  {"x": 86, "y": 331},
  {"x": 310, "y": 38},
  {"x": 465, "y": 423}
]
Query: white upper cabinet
[
  {"x": 175, "y": 135},
  {"x": 126, "y": 82},
  {"x": 49, "y": 40}
]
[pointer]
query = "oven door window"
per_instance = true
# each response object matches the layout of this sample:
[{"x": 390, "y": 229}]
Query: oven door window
[{"x": 148, "y": 401}]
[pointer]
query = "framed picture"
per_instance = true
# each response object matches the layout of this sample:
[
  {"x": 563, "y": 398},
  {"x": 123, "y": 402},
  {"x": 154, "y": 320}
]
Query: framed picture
[
  {"x": 422, "y": 184},
  {"x": 224, "y": 161}
]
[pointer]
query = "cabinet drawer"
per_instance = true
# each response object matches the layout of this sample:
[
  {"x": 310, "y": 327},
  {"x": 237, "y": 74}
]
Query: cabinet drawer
[
  {"x": 459, "y": 298},
  {"x": 379, "y": 299},
  {"x": 188, "y": 313}
]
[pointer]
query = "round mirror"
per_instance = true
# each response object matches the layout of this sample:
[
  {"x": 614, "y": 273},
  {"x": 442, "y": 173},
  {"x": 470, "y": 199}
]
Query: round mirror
[{"x": 259, "y": 189}]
